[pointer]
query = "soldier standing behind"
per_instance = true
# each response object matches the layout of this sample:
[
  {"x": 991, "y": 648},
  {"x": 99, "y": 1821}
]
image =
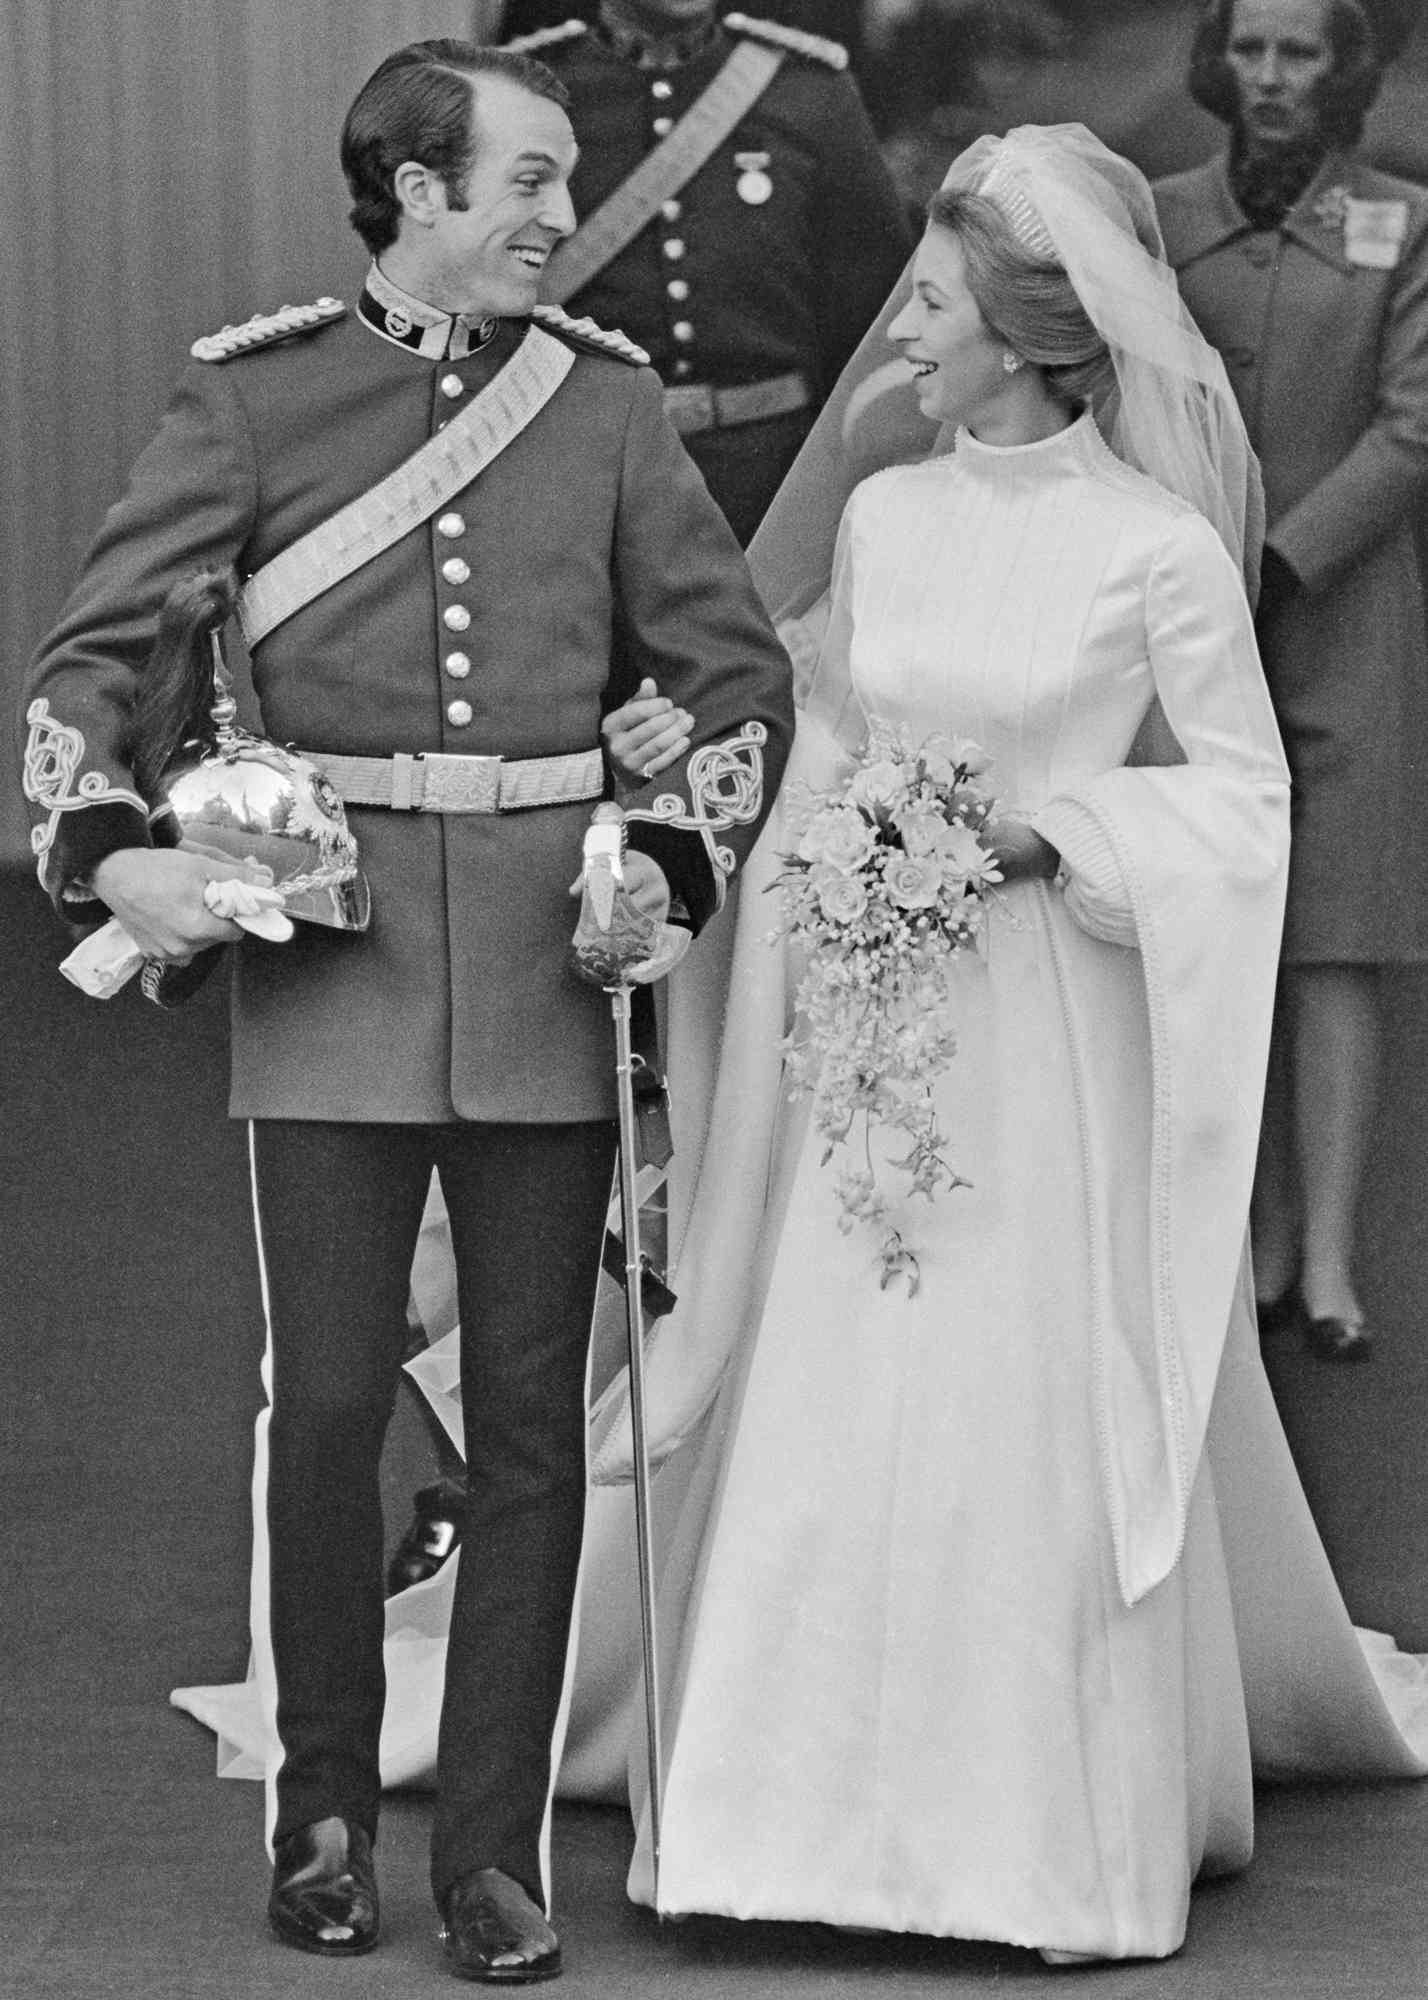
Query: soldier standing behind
[{"x": 758, "y": 229}]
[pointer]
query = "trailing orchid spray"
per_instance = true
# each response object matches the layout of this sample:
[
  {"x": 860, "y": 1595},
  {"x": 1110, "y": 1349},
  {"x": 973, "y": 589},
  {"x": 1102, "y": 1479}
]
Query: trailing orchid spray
[{"x": 885, "y": 885}]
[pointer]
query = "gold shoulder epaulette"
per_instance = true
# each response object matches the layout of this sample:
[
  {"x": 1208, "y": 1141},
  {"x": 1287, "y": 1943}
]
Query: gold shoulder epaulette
[
  {"x": 817, "y": 47},
  {"x": 544, "y": 38},
  {"x": 585, "y": 333},
  {"x": 264, "y": 328}
]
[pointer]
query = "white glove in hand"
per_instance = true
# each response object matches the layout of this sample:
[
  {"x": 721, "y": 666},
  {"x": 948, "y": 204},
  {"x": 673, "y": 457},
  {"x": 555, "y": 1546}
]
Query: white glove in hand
[
  {"x": 109, "y": 958},
  {"x": 251, "y": 907}
]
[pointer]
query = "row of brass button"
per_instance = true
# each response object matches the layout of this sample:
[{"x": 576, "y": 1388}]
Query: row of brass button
[{"x": 455, "y": 570}]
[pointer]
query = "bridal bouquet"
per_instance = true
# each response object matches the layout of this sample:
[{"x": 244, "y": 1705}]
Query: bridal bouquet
[{"x": 885, "y": 885}]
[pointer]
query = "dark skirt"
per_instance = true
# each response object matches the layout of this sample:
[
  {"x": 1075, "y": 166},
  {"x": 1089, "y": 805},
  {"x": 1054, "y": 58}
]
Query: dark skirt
[{"x": 1348, "y": 673}]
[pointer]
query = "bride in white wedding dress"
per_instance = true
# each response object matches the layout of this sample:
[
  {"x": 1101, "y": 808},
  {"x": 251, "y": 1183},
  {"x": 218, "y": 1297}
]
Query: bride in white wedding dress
[
  {"x": 977, "y": 1606},
  {"x": 952, "y": 1633}
]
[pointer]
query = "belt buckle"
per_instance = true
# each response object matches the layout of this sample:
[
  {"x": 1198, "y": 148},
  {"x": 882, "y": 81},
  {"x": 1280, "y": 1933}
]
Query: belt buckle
[
  {"x": 460, "y": 784},
  {"x": 690, "y": 406}
]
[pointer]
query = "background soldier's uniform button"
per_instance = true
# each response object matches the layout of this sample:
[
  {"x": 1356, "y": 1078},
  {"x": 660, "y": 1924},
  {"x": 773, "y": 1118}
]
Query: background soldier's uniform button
[
  {"x": 673, "y": 248},
  {"x": 671, "y": 210},
  {"x": 678, "y": 288},
  {"x": 661, "y": 88},
  {"x": 682, "y": 331}
]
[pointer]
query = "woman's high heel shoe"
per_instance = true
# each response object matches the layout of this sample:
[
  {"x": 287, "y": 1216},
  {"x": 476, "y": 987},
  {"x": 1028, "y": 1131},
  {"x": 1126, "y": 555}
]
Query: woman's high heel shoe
[
  {"x": 1334, "y": 1339},
  {"x": 1285, "y": 1314}
]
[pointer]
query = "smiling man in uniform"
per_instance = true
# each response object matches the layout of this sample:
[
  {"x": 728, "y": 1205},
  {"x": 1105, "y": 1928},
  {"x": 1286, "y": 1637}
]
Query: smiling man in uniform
[{"x": 467, "y": 531}]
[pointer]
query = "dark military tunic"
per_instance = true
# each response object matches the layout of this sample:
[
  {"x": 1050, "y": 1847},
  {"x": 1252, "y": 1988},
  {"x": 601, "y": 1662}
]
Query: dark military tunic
[
  {"x": 721, "y": 290},
  {"x": 589, "y": 555}
]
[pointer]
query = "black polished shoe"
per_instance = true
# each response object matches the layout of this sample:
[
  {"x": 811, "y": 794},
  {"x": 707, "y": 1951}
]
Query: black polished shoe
[
  {"x": 438, "y": 1516},
  {"x": 492, "y": 1931},
  {"x": 1333, "y": 1339},
  {"x": 1285, "y": 1314},
  {"x": 324, "y": 1895}
]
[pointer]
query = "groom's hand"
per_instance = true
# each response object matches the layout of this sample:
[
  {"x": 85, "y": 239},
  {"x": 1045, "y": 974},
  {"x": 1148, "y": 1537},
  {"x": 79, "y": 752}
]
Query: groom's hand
[{"x": 645, "y": 885}]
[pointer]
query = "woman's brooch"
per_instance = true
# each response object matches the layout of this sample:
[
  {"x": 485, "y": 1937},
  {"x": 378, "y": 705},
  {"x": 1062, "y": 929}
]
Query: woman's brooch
[
  {"x": 1373, "y": 231},
  {"x": 1332, "y": 207}
]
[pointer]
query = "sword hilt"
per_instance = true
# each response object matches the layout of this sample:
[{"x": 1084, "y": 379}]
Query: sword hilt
[{"x": 615, "y": 943}]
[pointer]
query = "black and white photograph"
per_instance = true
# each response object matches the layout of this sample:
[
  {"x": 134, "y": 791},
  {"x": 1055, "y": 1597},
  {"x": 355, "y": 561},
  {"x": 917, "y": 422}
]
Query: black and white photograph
[{"x": 715, "y": 871}]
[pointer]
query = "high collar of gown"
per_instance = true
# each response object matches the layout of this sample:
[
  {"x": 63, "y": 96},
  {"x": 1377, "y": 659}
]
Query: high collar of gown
[{"x": 1075, "y": 449}]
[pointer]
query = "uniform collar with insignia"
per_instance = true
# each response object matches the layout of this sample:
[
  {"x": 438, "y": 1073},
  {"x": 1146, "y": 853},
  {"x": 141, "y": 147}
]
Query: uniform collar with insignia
[
  {"x": 667, "y": 51},
  {"x": 411, "y": 323}
]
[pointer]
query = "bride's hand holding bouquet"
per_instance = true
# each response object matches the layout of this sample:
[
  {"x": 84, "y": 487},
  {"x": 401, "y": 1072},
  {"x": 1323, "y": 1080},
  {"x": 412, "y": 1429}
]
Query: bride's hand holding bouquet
[{"x": 886, "y": 884}]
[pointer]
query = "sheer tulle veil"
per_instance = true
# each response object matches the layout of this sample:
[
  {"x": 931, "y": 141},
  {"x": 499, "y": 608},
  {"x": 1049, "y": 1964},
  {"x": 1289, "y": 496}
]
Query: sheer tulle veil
[{"x": 1171, "y": 414}]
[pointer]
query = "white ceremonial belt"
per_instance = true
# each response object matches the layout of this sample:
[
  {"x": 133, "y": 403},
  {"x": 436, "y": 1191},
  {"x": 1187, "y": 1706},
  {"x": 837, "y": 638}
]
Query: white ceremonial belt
[{"x": 438, "y": 782}]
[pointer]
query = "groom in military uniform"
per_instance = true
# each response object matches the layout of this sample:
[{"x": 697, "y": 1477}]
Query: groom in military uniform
[{"x": 467, "y": 531}]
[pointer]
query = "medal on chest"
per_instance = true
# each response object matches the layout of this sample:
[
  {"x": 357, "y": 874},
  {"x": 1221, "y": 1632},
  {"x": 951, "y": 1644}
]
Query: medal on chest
[{"x": 753, "y": 185}]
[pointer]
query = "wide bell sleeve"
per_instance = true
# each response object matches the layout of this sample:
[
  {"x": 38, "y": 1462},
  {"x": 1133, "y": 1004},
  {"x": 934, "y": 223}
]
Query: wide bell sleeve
[{"x": 1185, "y": 862}]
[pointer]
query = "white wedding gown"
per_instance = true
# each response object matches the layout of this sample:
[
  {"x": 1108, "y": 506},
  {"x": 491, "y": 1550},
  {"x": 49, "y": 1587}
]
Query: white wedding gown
[
  {"x": 976, "y": 1606},
  {"x": 917, "y": 1682}
]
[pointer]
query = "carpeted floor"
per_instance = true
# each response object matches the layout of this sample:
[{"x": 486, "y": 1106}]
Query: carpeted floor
[{"x": 128, "y": 1303}]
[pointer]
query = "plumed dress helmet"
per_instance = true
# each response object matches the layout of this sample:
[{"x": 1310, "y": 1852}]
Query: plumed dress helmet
[{"x": 233, "y": 794}]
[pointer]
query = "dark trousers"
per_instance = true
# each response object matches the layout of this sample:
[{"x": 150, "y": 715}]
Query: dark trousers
[{"x": 339, "y": 1210}]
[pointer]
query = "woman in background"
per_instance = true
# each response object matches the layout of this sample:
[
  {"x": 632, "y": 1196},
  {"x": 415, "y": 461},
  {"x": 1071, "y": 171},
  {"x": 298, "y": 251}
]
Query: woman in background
[{"x": 1308, "y": 270}]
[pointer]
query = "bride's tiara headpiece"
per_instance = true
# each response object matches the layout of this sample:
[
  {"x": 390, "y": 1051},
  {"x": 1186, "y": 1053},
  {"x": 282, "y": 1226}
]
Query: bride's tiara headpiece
[{"x": 1002, "y": 188}]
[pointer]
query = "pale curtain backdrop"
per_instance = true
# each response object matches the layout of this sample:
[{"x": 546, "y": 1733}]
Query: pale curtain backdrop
[{"x": 167, "y": 166}]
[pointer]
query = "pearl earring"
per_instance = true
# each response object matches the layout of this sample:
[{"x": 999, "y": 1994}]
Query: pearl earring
[{"x": 1011, "y": 362}]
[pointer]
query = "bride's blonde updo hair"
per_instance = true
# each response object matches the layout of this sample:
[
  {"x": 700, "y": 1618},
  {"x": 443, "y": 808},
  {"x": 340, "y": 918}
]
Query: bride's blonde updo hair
[{"x": 1025, "y": 299}]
